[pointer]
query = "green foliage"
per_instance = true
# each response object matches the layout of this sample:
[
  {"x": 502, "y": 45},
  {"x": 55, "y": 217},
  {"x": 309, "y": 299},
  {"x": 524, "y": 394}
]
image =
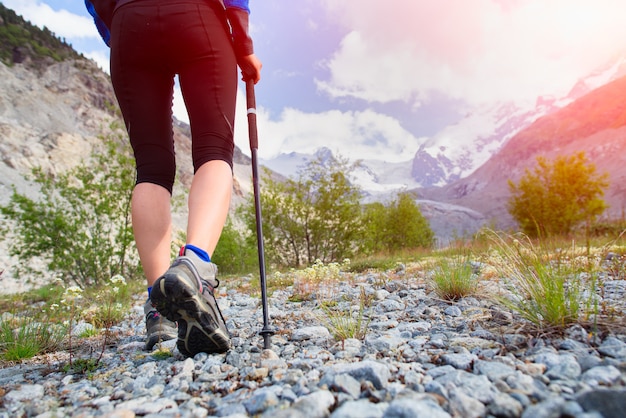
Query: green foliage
[
  {"x": 318, "y": 216},
  {"x": 558, "y": 196},
  {"x": 21, "y": 41},
  {"x": 608, "y": 228},
  {"x": 453, "y": 278},
  {"x": 81, "y": 224},
  {"x": 112, "y": 303},
  {"x": 548, "y": 292},
  {"x": 23, "y": 337},
  {"x": 396, "y": 226},
  {"x": 48, "y": 315},
  {"x": 236, "y": 253},
  {"x": 313, "y": 217},
  {"x": 377, "y": 262},
  {"x": 82, "y": 366},
  {"x": 162, "y": 353}
]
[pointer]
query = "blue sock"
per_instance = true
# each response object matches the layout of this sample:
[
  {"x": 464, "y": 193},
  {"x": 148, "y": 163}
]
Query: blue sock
[
  {"x": 199, "y": 252},
  {"x": 149, "y": 291}
]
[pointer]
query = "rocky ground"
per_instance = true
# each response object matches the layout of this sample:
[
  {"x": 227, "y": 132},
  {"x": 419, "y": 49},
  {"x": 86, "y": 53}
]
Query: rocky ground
[{"x": 421, "y": 357}]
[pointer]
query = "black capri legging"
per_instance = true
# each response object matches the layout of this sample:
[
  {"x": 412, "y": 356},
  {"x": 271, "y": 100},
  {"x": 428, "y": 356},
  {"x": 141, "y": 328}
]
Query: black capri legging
[{"x": 151, "y": 41}]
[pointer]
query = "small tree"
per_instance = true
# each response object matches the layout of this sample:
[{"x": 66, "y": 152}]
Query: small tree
[
  {"x": 397, "y": 226},
  {"x": 235, "y": 252},
  {"x": 313, "y": 217},
  {"x": 558, "y": 196},
  {"x": 80, "y": 226}
]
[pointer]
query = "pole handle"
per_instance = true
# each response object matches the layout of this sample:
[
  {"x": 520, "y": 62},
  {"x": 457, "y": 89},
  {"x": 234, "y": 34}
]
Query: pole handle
[{"x": 251, "y": 106}]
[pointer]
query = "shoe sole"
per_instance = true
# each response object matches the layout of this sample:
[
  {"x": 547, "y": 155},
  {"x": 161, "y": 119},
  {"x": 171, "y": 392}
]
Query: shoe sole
[{"x": 198, "y": 331}]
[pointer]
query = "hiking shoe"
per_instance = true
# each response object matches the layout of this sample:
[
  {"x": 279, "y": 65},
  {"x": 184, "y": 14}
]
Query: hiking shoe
[
  {"x": 185, "y": 294},
  {"x": 158, "y": 327}
]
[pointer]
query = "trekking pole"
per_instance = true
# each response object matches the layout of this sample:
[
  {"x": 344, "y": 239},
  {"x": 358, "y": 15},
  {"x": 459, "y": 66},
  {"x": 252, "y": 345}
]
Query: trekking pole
[{"x": 267, "y": 331}]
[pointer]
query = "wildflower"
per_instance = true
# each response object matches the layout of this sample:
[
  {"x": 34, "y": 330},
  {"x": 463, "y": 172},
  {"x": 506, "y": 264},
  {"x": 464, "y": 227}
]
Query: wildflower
[
  {"x": 73, "y": 291},
  {"x": 118, "y": 279}
]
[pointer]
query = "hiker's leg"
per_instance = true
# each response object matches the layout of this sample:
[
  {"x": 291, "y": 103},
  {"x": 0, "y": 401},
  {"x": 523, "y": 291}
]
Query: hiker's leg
[
  {"x": 209, "y": 200},
  {"x": 144, "y": 88},
  {"x": 208, "y": 80},
  {"x": 152, "y": 227}
]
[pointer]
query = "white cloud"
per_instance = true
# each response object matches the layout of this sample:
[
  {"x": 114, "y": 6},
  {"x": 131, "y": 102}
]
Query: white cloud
[
  {"x": 63, "y": 23},
  {"x": 101, "y": 58},
  {"x": 479, "y": 51},
  {"x": 355, "y": 135}
]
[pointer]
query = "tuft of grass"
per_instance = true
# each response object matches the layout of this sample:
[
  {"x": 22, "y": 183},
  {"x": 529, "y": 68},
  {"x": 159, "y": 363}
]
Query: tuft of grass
[
  {"x": 25, "y": 337},
  {"x": 89, "y": 332},
  {"x": 348, "y": 324},
  {"x": 113, "y": 301},
  {"x": 46, "y": 317},
  {"x": 552, "y": 293},
  {"x": 453, "y": 278}
]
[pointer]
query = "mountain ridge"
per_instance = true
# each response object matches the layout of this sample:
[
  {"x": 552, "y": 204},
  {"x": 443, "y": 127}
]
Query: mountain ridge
[{"x": 595, "y": 124}]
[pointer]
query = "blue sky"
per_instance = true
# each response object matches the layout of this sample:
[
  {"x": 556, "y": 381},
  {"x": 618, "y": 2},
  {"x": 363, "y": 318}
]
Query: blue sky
[{"x": 375, "y": 79}]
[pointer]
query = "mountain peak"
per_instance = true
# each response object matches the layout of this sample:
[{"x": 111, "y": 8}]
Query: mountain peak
[{"x": 324, "y": 154}]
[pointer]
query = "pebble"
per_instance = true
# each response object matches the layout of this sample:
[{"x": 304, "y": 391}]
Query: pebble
[{"x": 421, "y": 356}]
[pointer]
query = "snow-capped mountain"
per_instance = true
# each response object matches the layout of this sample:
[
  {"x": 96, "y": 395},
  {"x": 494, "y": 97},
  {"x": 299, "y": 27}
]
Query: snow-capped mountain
[
  {"x": 594, "y": 124},
  {"x": 612, "y": 70},
  {"x": 379, "y": 180},
  {"x": 459, "y": 149}
]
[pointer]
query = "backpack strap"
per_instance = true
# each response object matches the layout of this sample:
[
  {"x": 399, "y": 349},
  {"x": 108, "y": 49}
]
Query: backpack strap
[
  {"x": 102, "y": 13},
  {"x": 239, "y": 4}
]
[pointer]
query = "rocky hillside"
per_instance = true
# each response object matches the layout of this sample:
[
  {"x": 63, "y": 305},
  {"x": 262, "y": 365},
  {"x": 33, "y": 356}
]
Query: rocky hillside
[{"x": 54, "y": 105}]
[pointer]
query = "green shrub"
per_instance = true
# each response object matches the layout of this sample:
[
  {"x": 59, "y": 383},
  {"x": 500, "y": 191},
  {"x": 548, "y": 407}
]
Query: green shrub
[
  {"x": 236, "y": 253},
  {"x": 558, "y": 196},
  {"x": 394, "y": 227},
  {"x": 81, "y": 224}
]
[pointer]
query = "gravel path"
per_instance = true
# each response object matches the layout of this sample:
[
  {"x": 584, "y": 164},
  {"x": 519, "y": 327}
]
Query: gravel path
[{"x": 421, "y": 357}]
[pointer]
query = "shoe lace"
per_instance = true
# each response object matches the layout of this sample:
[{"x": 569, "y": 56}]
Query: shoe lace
[
  {"x": 206, "y": 284},
  {"x": 210, "y": 288}
]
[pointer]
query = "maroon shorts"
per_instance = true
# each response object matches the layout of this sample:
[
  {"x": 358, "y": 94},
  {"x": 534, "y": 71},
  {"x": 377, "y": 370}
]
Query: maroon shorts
[{"x": 151, "y": 42}]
